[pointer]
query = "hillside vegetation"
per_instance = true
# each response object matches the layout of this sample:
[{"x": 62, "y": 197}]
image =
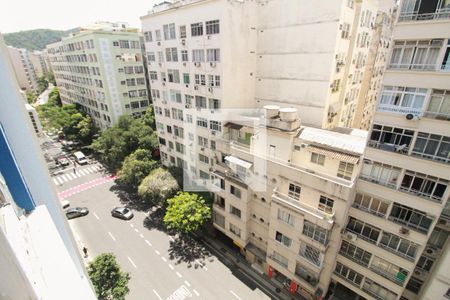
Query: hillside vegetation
[{"x": 35, "y": 39}]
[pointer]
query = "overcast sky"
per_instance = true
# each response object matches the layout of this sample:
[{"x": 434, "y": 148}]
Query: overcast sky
[{"x": 16, "y": 15}]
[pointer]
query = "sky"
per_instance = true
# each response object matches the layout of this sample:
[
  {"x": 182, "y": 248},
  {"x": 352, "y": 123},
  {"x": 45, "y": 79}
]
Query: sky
[{"x": 16, "y": 15}]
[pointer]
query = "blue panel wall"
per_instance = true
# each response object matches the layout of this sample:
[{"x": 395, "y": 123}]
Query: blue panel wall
[{"x": 13, "y": 177}]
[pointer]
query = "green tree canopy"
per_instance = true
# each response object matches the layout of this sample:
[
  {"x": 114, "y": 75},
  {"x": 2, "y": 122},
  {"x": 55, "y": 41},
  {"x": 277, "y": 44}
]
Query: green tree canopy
[
  {"x": 186, "y": 212},
  {"x": 42, "y": 84},
  {"x": 136, "y": 167},
  {"x": 158, "y": 186},
  {"x": 108, "y": 280}
]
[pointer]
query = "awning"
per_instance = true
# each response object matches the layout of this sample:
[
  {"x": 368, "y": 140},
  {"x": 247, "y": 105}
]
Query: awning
[
  {"x": 237, "y": 161},
  {"x": 256, "y": 251},
  {"x": 233, "y": 126},
  {"x": 334, "y": 154}
]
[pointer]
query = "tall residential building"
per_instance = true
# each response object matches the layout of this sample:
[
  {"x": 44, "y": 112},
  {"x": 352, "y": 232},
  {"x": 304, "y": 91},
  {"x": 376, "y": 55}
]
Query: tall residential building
[
  {"x": 39, "y": 64},
  {"x": 38, "y": 255},
  {"x": 396, "y": 238},
  {"x": 263, "y": 53},
  {"x": 101, "y": 68},
  {"x": 23, "y": 69}
]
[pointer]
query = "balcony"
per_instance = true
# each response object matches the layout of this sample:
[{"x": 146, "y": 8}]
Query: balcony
[
  {"x": 398, "y": 279},
  {"x": 399, "y": 109},
  {"x": 438, "y": 14},
  {"x": 303, "y": 208}
]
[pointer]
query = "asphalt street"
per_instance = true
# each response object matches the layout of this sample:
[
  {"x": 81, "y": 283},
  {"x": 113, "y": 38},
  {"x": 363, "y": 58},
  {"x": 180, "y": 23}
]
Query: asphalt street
[{"x": 161, "y": 266}]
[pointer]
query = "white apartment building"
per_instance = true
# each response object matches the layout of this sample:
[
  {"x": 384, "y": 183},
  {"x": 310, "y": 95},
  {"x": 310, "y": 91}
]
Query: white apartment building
[
  {"x": 101, "y": 68},
  {"x": 23, "y": 69},
  {"x": 398, "y": 224},
  {"x": 39, "y": 64}
]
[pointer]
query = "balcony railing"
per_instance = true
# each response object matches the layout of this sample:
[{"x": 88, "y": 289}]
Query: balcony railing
[
  {"x": 399, "y": 109},
  {"x": 416, "y": 67},
  {"x": 399, "y": 279},
  {"x": 437, "y": 116},
  {"x": 403, "y": 149},
  {"x": 443, "y": 13},
  {"x": 388, "y": 183},
  {"x": 303, "y": 207}
]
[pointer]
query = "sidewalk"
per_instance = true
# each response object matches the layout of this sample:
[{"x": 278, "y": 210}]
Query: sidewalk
[{"x": 232, "y": 259}]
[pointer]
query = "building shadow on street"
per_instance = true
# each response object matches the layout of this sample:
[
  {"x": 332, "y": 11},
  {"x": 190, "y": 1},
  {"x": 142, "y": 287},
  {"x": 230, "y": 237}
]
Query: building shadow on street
[
  {"x": 129, "y": 199},
  {"x": 186, "y": 249}
]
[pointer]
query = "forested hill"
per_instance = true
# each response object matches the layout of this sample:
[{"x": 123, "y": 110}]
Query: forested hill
[{"x": 35, "y": 39}]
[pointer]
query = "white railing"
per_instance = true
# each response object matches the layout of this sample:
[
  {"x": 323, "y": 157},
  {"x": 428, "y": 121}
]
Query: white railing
[
  {"x": 399, "y": 109},
  {"x": 443, "y": 13},
  {"x": 415, "y": 67}
]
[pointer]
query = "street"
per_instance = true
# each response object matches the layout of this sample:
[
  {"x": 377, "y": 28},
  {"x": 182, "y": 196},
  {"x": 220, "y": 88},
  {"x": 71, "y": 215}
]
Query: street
[{"x": 161, "y": 266}]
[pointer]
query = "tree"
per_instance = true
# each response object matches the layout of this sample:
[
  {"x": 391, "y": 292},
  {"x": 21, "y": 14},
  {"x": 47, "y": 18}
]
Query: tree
[
  {"x": 158, "y": 186},
  {"x": 136, "y": 167},
  {"x": 186, "y": 212},
  {"x": 108, "y": 280},
  {"x": 51, "y": 78},
  {"x": 31, "y": 97},
  {"x": 42, "y": 84}
]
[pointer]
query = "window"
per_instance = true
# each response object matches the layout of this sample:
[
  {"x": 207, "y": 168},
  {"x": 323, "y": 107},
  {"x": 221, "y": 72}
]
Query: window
[
  {"x": 178, "y": 131},
  {"x": 215, "y": 125},
  {"x": 335, "y": 85},
  {"x": 212, "y": 27},
  {"x": 438, "y": 238},
  {"x": 214, "y": 103},
  {"x": 202, "y": 142},
  {"x": 432, "y": 146},
  {"x": 173, "y": 76},
  {"x": 124, "y": 44},
  {"x": 345, "y": 34},
  {"x": 218, "y": 219},
  {"x": 184, "y": 55},
  {"x": 151, "y": 56},
  {"x": 439, "y": 106},
  {"x": 214, "y": 80},
  {"x": 189, "y": 118},
  {"x": 388, "y": 270},
  {"x": 279, "y": 259},
  {"x": 318, "y": 158},
  {"x": 345, "y": 170},
  {"x": 186, "y": 79},
  {"x": 423, "y": 185},
  {"x": 286, "y": 217},
  {"x": 315, "y": 232},
  {"x": 177, "y": 114},
  {"x": 410, "y": 217},
  {"x": 236, "y": 230},
  {"x": 234, "y": 211},
  {"x": 198, "y": 55},
  {"x": 213, "y": 55},
  {"x": 281, "y": 238},
  {"x": 235, "y": 191},
  {"x": 200, "y": 79},
  {"x": 203, "y": 158},
  {"x": 179, "y": 148},
  {"x": 203, "y": 175},
  {"x": 425, "y": 263},
  {"x": 378, "y": 291},
  {"x": 348, "y": 274},
  {"x": 294, "y": 191},
  {"x": 200, "y": 102},
  {"x": 399, "y": 246},
  {"x": 213, "y": 145},
  {"x": 172, "y": 54},
  {"x": 160, "y": 56},
  {"x": 148, "y": 36},
  {"x": 402, "y": 99},
  {"x": 167, "y": 112},
  {"x": 197, "y": 29},
  {"x": 139, "y": 69},
  {"x": 169, "y": 130},
  {"x": 169, "y": 31},
  {"x": 188, "y": 99},
  {"x": 416, "y": 55},
  {"x": 131, "y": 82},
  {"x": 326, "y": 204},
  {"x": 363, "y": 230},
  {"x": 414, "y": 285},
  {"x": 312, "y": 254},
  {"x": 158, "y": 34},
  {"x": 182, "y": 29},
  {"x": 356, "y": 254},
  {"x": 390, "y": 138},
  {"x": 370, "y": 204},
  {"x": 380, "y": 173},
  {"x": 202, "y": 122}
]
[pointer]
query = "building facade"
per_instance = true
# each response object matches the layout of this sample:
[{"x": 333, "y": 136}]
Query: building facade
[
  {"x": 39, "y": 64},
  {"x": 23, "y": 69},
  {"x": 101, "y": 68},
  {"x": 397, "y": 234},
  {"x": 38, "y": 255}
]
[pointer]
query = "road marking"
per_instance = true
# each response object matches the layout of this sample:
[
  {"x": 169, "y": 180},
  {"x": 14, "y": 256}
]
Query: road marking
[
  {"x": 234, "y": 294},
  {"x": 132, "y": 226},
  {"x": 64, "y": 178},
  {"x": 157, "y": 295},
  {"x": 180, "y": 294},
  {"x": 71, "y": 176},
  {"x": 134, "y": 265},
  {"x": 187, "y": 283},
  {"x": 195, "y": 292},
  {"x": 171, "y": 267},
  {"x": 78, "y": 174},
  {"x": 178, "y": 274},
  {"x": 95, "y": 215},
  {"x": 136, "y": 230},
  {"x": 55, "y": 181},
  {"x": 157, "y": 252},
  {"x": 141, "y": 235},
  {"x": 148, "y": 243},
  {"x": 59, "y": 180},
  {"x": 164, "y": 259},
  {"x": 90, "y": 170},
  {"x": 113, "y": 238},
  {"x": 81, "y": 172}
]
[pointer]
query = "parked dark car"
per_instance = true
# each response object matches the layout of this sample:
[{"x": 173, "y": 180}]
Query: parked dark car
[
  {"x": 76, "y": 212},
  {"x": 122, "y": 213}
]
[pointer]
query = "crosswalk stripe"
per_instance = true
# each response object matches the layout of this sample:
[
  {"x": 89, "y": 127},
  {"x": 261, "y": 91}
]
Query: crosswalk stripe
[
  {"x": 87, "y": 171},
  {"x": 90, "y": 169},
  {"x": 59, "y": 180},
  {"x": 70, "y": 176},
  {"x": 81, "y": 172},
  {"x": 55, "y": 181},
  {"x": 64, "y": 178},
  {"x": 95, "y": 168},
  {"x": 78, "y": 174}
]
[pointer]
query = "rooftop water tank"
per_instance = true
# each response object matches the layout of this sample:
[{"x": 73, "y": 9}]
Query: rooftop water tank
[
  {"x": 288, "y": 114},
  {"x": 271, "y": 111}
]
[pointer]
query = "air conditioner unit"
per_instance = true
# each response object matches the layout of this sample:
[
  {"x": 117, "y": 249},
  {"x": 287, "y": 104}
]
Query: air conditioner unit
[
  {"x": 351, "y": 236},
  {"x": 404, "y": 230},
  {"x": 412, "y": 117},
  {"x": 163, "y": 83},
  {"x": 158, "y": 43},
  {"x": 187, "y": 106},
  {"x": 184, "y": 64},
  {"x": 202, "y": 148},
  {"x": 187, "y": 85},
  {"x": 212, "y": 64},
  {"x": 183, "y": 42},
  {"x": 209, "y": 37},
  {"x": 210, "y": 89},
  {"x": 197, "y": 64},
  {"x": 196, "y": 87},
  {"x": 213, "y": 132},
  {"x": 430, "y": 251}
]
